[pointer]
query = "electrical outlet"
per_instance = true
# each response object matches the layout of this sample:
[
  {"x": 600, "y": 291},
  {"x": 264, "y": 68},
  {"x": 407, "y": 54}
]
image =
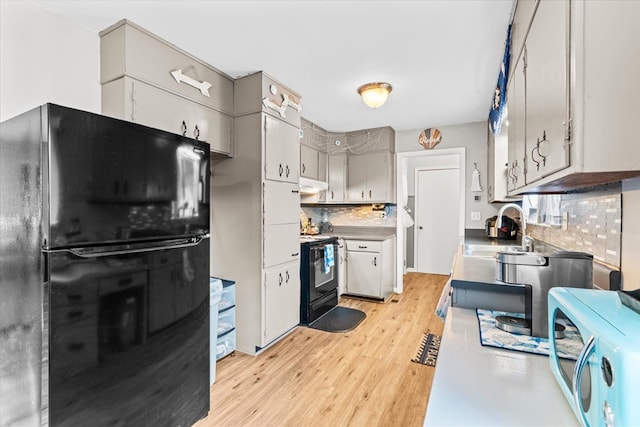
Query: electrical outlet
[{"x": 475, "y": 216}]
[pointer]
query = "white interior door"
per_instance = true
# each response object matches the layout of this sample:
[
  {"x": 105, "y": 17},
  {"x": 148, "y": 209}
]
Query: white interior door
[{"x": 437, "y": 223}]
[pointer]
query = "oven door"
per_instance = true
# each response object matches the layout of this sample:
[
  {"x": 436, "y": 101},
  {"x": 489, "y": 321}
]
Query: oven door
[{"x": 323, "y": 275}]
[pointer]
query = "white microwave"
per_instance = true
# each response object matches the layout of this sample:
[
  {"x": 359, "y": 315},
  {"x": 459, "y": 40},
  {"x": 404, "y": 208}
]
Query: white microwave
[{"x": 601, "y": 375}]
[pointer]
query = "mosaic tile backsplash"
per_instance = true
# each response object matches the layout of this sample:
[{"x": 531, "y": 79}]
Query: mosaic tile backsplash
[
  {"x": 352, "y": 215},
  {"x": 594, "y": 226}
]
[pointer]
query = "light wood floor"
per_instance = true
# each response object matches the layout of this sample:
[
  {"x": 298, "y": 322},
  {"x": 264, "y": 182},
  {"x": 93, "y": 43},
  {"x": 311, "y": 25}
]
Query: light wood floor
[{"x": 364, "y": 377}]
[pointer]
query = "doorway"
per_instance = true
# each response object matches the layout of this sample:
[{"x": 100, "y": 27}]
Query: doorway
[
  {"x": 407, "y": 163},
  {"x": 437, "y": 219}
]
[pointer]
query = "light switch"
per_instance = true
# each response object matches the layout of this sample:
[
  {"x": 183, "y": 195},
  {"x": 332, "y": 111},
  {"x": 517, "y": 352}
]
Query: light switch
[{"x": 475, "y": 216}]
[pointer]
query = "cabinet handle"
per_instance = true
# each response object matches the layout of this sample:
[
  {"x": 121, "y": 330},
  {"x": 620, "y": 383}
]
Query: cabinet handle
[
  {"x": 287, "y": 276},
  {"x": 196, "y": 132},
  {"x": 362, "y": 247},
  {"x": 375, "y": 261},
  {"x": 183, "y": 128},
  {"x": 370, "y": 194},
  {"x": 304, "y": 168},
  {"x": 280, "y": 279},
  {"x": 332, "y": 194},
  {"x": 280, "y": 170},
  {"x": 296, "y": 254},
  {"x": 295, "y": 191},
  {"x": 287, "y": 168},
  {"x": 362, "y": 195}
]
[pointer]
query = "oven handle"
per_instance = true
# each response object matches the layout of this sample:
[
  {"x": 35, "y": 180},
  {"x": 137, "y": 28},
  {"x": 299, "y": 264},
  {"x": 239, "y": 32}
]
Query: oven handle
[{"x": 578, "y": 372}]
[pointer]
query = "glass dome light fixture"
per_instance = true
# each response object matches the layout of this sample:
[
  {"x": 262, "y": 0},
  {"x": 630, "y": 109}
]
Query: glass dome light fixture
[{"x": 375, "y": 95}]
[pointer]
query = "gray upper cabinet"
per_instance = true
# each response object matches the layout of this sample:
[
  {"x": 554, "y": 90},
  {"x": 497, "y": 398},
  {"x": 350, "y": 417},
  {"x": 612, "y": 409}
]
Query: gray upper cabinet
[
  {"x": 150, "y": 81},
  {"x": 261, "y": 92},
  {"x": 516, "y": 129},
  {"x": 337, "y": 178},
  {"x": 370, "y": 178},
  {"x": 572, "y": 109},
  {"x": 547, "y": 85},
  {"x": 309, "y": 162},
  {"x": 139, "y": 102}
]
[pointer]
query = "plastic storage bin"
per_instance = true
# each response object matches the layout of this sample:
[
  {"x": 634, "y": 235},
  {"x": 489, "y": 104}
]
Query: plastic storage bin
[
  {"x": 226, "y": 320},
  {"x": 226, "y": 344},
  {"x": 215, "y": 294}
]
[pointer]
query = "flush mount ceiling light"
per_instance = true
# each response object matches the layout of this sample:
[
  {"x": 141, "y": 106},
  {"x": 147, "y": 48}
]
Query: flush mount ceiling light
[{"x": 375, "y": 95}]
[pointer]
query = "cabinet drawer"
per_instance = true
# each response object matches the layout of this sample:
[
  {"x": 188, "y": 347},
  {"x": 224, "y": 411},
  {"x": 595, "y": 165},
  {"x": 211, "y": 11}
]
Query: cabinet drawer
[
  {"x": 81, "y": 293},
  {"x": 226, "y": 344},
  {"x": 281, "y": 243},
  {"x": 228, "y": 298},
  {"x": 119, "y": 283},
  {"x": 364, "y": 245},
  {"x": 138, "y": 102},
  {"x": 226, "y": 321},
  {"x": 126, "y": 49}
]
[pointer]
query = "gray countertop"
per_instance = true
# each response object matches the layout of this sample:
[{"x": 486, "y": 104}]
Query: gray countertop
[{"x": 485, "y": 386}]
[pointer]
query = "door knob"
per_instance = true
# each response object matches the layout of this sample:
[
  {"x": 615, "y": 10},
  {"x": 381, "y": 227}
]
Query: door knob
[{"x": 420, "y": 227}]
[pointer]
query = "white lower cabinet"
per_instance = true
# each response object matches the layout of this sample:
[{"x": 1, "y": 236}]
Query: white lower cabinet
[
  {"x": 281, "y": 300},
  {"x": 370, "y": 268}
]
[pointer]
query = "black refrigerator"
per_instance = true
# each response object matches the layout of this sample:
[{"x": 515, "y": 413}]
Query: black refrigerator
[{"x": 104, "y": 272}]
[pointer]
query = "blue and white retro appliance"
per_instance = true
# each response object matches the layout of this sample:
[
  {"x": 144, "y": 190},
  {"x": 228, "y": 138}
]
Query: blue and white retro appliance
[{"x": 600, "y": 376}]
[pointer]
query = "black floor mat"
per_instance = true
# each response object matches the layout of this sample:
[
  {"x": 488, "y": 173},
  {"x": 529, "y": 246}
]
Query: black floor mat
[{"x": 339, "y": 319}]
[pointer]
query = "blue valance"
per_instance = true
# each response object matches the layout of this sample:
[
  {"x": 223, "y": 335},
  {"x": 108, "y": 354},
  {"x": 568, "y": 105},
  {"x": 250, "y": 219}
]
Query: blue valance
[{"x": 499, "y": 102}]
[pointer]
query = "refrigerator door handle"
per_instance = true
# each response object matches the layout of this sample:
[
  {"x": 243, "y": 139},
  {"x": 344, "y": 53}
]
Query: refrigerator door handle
[{"x": 130, "y": 249}]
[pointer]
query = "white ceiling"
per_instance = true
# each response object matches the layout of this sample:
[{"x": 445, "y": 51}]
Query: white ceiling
[{"x": 442, "y": 57}]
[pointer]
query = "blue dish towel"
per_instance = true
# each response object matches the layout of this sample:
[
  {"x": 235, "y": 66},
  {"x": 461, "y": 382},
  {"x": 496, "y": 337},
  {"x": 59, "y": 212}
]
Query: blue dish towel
[{"x": 329, "y": 260}]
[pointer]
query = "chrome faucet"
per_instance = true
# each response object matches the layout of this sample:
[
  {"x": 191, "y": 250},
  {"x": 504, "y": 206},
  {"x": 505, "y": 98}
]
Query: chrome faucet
[{"x": 526, "y": 240}]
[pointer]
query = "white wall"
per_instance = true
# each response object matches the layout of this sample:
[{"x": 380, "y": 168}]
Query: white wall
[
  {"x": 44, "y": 58},
  {"x": 630, "y": 254},
  {"x": 472, "y": 136}
]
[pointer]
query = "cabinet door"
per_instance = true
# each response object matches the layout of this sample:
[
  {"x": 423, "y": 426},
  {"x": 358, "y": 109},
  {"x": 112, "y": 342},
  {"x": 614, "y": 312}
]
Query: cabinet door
[
  {"x": 282, "y": 150},
  {"x": 546, "y": 86},
  {"x": 281, "y": 300},
  {"x": 357, "y": 178},
  {"x": 337, "y": 177},
  {"x": 281, "y": 243},
  {"x": 162, "y": 110},
  {"x": 322, "y": 166},
  {"x": 308, "y": 162},
  {"x": 516, "y": 132},
  {"x": 364, "y": 273},
  {"x": 521, "y": 21},
  {"x": 281, "y": 201},
  {"x": 378, "y": 176}
]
